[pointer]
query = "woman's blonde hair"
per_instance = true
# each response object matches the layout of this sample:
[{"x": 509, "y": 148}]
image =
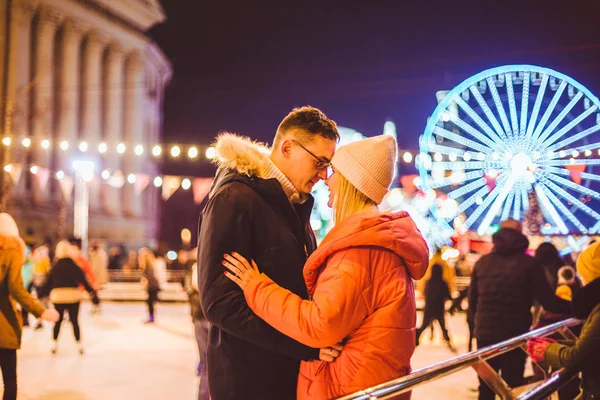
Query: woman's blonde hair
[
  {"x": 348, "y": 200},
  {"x": 63, "y": 250}
]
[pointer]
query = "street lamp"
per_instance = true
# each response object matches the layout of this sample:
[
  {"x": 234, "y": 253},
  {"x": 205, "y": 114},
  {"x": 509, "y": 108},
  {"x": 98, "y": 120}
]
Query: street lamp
[{"x": 84, "y": 173}]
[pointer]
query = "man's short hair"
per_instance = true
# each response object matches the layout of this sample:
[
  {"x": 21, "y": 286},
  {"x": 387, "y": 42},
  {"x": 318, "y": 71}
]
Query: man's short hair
[
  {"x": 511, "y": 224},
  {"x": 304, "y": 123}
]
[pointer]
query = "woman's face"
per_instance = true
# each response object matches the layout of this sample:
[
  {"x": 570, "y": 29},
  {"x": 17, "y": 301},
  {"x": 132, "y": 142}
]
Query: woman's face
[{"x": 332, "y": 185}]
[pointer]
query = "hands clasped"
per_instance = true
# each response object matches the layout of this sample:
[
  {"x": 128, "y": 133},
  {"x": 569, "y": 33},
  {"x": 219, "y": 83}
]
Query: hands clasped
[{"x": 242, "y": 272}]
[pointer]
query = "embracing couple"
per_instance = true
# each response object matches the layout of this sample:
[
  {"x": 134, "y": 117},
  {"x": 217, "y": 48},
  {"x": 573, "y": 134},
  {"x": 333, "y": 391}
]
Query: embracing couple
[{"x": 290, "y": 320}]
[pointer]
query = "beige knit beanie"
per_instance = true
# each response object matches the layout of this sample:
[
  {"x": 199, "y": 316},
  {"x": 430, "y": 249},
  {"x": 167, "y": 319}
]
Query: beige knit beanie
[{"x": 368, "y": 164}]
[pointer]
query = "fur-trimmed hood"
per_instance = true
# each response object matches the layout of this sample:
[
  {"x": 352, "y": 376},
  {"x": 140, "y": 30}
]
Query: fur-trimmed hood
[{"x": 242, "y": 154}]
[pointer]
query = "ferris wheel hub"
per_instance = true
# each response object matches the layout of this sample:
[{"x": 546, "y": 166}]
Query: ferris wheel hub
[{"x": 521, "y": 165}]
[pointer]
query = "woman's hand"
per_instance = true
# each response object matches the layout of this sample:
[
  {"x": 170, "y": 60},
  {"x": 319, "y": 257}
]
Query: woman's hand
[
  {"x": 329, "y": 354},
  {"x": 240, "y": 270}
]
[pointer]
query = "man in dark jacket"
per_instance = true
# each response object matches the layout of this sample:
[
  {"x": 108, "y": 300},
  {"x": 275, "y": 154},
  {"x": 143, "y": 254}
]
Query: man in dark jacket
[
  {"x": 259, "y": 206},
  {"x": 504, "y": 285}
]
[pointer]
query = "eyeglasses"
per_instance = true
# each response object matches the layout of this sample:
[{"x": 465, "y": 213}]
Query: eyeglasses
[{"x": 321, "y": 163}]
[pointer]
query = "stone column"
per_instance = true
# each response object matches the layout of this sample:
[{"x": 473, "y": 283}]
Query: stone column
[
  {"x": 43, "y": 95},
  {"x": 133, "y": 130},
  {"x": 113, "y": 123},
  {"x": 91, "y": 108},
  {"x": 19, "y": 84},
  {"x": 68, "y": 95}
]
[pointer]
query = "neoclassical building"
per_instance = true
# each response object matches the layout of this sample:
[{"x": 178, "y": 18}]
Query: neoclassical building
[{"x": 82, "y": 79}]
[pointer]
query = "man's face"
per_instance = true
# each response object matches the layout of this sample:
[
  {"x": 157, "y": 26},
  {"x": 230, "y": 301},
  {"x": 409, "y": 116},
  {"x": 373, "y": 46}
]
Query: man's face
[{"x": 308, "y": 162}]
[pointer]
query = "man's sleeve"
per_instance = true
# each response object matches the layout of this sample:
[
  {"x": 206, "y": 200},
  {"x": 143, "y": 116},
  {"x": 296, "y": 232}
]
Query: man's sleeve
[{"x": 225, "y": 227}]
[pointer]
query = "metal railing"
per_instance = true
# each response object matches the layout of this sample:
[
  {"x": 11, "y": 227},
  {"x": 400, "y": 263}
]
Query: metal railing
[
  {"x": 549, "y": 386},
  {"x": 476, "y": 360}
]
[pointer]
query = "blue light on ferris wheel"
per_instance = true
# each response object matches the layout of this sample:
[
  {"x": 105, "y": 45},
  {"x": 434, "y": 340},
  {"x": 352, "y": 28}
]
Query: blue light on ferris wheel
[{"x": 531, "y": 125}]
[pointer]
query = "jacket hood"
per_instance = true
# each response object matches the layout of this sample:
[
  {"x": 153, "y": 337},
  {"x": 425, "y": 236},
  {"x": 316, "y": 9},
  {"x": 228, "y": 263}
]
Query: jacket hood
[
  {"x": 242, "y": 154},
  {"x": 393, "y": 231},
  {"x": 586, "y": 299},
  {"x": 12, "y": 243},
  {"x": 509, "y": 241}
]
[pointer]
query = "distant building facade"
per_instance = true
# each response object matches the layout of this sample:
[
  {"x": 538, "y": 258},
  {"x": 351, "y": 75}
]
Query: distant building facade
[{"x": 81, "y": 79}]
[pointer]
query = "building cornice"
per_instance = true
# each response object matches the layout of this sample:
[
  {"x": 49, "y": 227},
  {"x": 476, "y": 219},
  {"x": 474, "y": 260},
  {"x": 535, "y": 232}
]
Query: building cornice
[{"x": 143, "y": 14}]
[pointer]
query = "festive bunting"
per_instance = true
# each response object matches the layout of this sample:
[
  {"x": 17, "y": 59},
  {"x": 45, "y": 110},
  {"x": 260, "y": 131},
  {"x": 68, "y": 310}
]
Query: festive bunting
[
  {"x": 575, "y": 171},
  {"x": 15, "y": 172},
  {"x": 141, "y": 183},
  {"x": 200, "y": 187},
  {"x": 170, "y": 186},
  {"x": 66, "y": 187},
  {"x": 42, "y": 175}
]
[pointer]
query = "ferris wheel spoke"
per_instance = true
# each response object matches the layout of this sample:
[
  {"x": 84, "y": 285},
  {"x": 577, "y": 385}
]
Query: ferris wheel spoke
[
  {"x": 536, "y": 107},
  {"x": 471, "y": 200},
  {"x": 569, "y": 126},
  {"x": 557, "y": 163},
  {"x": 549, "y": 110},
  {"x": 487, "y": 201},
  {"x": 450, "y": 180},
  {"x": 540, "y": 190},
  {"x": 507, "y": 204},
  {"x": 467, "y": 188},
  {"x": 517, "y": 207},
  {"x": 559, "y": 171},
  {"x": 479, "y": 121},
  {"x": 574, "y": 138},
  {"x": 473, "y": 132},
  {"x": 505, "y": 188},
  {"x": 512, "y": 104},
  {"x": 524, "y": 105},
  {"x": 461, "y": 140},
  {"x": 488, "y": 112},
  {"x": 560, "y": 117},
  {"x": 500, "y": 106},
  {"x": 584, "y": 148},
  {"x": 595, "y": 228},
  {"x": 566, "y": 195},
  {"x": 572, "y": 185},
  {"x": 461, "y": 165},
  {"x": 524, "y": 200},
  {"x": 447, "y": 150}
]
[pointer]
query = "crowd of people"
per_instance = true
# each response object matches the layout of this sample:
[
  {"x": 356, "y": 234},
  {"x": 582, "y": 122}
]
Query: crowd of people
[{"x": 276, "y": 316}]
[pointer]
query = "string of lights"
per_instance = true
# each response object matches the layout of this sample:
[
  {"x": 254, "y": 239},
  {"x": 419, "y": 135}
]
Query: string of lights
[{"x": 175, "y": 151}]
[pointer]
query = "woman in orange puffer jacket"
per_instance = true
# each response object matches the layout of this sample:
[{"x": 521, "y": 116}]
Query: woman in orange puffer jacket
[{"x": 360, "y": 280}]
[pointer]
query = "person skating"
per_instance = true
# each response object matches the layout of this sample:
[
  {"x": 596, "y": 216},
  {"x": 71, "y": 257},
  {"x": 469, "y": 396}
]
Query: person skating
[
  {"x": 436, "y": 294},
  {"x": 12, "y": 250},
  {"x": 62, "y": 286}
]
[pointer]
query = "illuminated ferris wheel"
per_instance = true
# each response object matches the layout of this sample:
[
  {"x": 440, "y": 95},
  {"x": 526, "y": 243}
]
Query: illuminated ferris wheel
[{"x": 508, "y": 132}]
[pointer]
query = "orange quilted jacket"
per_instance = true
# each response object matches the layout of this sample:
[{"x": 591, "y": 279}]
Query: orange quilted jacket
[{"x": 361, "y": 288}]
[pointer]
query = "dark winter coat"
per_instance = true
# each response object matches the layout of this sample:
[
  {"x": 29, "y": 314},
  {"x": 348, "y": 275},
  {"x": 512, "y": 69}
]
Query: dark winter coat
[
  {"x": 247, "y": 358},
  {"x": 66, "y": 274},
  {"x": 584, "y": 355},
  {"x": 436, "y": 292},
  {"x": 504, "y": 285}
]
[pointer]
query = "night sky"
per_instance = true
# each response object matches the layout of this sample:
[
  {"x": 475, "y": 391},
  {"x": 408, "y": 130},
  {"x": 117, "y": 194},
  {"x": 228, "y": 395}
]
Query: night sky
[{"x": 241, "y": 66}]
